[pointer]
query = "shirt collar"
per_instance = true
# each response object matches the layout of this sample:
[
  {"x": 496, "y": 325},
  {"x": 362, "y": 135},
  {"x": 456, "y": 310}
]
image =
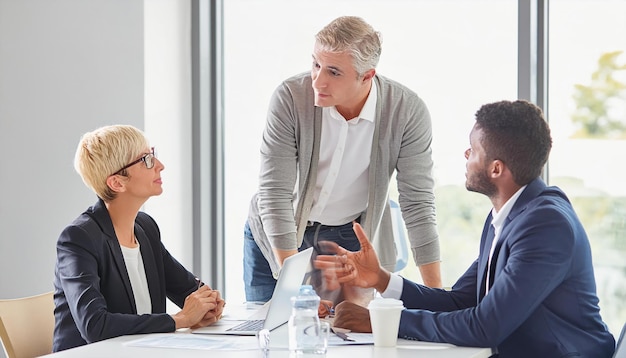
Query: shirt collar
[
  {"x": 369, "y": 108},
  {"x": 498, "y": 217},
  {"x": 368, "y": 112}
]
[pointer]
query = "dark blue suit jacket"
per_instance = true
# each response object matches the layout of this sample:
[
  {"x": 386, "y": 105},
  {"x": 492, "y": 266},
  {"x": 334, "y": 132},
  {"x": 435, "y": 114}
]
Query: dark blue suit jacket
[
  {"x": 543, "y": 299},
  {"x": 92, "y": 292}
]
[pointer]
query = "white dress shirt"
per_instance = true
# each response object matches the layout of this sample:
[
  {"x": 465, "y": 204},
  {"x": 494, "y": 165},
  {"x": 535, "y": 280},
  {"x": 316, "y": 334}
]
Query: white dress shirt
[
  {"x": 497, "y": 220},
  {"x": 137, "y": 276},
  {"x": 341, "y": 191}
]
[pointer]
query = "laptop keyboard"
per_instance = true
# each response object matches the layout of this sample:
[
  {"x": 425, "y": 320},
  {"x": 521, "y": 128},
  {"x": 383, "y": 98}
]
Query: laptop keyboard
[{"x": 250, "y": 325}]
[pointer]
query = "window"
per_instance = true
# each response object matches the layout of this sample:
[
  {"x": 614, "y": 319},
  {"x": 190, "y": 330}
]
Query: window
[
  {"x": 457, "y": 55},
  {"x": 444, "y": 53},
  {"x": 589, "y": 134}
]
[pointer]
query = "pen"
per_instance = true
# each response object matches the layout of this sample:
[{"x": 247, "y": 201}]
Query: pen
[
  {"x": 331, "y": 310},
  {"x": 342, "y": 335}
]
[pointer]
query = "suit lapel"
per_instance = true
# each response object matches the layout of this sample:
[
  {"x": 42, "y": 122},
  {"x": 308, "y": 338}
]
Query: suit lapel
[
  {"x": 120, "y": 265},
  {"x": 101, "y": 215},
  {"x": 531, "y": 191},
  {"x": 496, "y": 254},
  {"x": 485, "y": 247}
]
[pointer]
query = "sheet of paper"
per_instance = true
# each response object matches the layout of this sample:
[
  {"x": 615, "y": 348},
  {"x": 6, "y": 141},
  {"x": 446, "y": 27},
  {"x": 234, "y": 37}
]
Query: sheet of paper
[
  {"x": 194, "y": 341},
  {"x": 359, "y": 338}
]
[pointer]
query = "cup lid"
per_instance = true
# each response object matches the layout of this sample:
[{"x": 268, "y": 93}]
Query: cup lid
[{"x": 385, "y": 303}]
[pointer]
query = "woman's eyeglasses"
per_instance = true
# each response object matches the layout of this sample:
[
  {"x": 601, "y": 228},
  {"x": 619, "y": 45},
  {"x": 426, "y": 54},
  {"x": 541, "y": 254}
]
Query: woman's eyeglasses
[{"x": 148, "y": 159}]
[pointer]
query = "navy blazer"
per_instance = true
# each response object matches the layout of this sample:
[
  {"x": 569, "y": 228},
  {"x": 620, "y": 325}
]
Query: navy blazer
[
  {"x": 543, "y": 300},
  {"x": 92, "y": 292}
]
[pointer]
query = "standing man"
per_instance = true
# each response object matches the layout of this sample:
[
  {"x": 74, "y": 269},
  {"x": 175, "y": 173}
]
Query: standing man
[
  {"x": 332, "y": 141},
  {"x": 531, "y": 292}
]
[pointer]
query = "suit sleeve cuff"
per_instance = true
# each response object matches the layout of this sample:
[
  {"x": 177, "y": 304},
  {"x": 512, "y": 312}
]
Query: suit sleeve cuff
[{"x": 394, "y": 289}]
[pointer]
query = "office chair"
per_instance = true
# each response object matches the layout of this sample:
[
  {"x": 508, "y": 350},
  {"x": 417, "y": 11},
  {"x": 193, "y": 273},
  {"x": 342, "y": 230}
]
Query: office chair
[
  {"x": 620, "y": 346},
  {"x": 399, "y": 235},
  {"x": 26, "y": 325}
]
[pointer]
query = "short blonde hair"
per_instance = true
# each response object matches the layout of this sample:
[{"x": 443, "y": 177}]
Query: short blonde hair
[
  {"x": 104, "y": 151},
  {"x": 352, "y": 34}
]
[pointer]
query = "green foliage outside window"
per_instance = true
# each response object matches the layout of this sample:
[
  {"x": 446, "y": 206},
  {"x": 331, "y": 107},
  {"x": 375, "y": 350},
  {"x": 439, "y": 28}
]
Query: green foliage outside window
[
  {"x": 601, "y": 105},
  {"x": 600, "y": 114}
]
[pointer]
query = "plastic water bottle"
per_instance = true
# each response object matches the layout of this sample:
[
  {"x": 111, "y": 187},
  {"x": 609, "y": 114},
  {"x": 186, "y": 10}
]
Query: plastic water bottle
[{"x": 304, "y": 324}]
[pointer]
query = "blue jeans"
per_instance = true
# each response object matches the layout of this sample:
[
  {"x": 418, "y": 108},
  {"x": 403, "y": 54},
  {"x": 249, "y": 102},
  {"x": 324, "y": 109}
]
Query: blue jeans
[{"x": 257, "y": 275}]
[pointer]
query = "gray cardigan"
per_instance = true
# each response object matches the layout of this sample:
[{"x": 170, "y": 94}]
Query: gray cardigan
[{"x": 289, "y": 157}]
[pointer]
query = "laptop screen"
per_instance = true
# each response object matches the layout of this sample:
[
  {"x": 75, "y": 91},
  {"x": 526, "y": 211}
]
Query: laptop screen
[{"x": 288, "y": 285}]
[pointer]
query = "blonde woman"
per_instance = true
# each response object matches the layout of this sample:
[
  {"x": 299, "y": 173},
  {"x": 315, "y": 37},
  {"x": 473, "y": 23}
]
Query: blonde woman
[{"x": 112, "y": 273}]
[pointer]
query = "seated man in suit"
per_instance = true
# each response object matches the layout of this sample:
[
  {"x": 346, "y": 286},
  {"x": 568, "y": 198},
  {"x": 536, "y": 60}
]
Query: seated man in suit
[{"x": 531, "y": 292}]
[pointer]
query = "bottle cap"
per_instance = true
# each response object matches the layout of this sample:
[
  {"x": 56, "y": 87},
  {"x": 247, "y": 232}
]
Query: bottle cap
[{"x": 307, "y": 290}]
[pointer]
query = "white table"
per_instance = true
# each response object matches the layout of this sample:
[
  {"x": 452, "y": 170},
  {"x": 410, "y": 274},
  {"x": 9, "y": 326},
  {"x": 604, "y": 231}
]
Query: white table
[{"x": 117, "y": 348}]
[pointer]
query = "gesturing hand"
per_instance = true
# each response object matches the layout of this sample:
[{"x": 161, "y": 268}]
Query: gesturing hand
[{"x": 360, "y": 268}]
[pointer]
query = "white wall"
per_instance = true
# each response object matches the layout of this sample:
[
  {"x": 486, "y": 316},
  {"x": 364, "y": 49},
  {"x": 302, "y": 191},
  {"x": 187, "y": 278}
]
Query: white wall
[
  {"x": 167, "y": 69},
  {"x": 67, "y": 67}
]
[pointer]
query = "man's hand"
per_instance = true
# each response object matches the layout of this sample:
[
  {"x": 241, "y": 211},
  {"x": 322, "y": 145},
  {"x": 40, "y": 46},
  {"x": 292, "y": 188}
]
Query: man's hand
[
  {"x": 360, "y": 268},
  {"x": 353, "y": 317},
  {"x": 281, "y": 255},
  {"x": 325, "y": 309}
]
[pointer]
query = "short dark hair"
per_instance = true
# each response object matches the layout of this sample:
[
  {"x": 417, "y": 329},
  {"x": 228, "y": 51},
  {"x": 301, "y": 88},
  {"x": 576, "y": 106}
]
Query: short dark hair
[{"x": 517, "y": 134}]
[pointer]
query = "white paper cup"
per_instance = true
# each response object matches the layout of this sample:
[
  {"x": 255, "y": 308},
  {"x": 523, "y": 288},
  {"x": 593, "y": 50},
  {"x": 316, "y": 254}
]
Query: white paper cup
[{"x": 385, "y": 318}]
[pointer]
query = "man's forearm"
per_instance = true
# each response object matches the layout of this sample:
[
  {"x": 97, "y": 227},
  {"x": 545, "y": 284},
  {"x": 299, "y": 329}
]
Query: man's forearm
[
  {"x": 281, "y": 255},
  {"x": 431, "y": 274}
]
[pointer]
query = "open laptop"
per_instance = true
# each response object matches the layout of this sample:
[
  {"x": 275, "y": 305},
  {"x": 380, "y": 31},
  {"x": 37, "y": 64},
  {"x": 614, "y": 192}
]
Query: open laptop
[{"x": 274, "y": 313}]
